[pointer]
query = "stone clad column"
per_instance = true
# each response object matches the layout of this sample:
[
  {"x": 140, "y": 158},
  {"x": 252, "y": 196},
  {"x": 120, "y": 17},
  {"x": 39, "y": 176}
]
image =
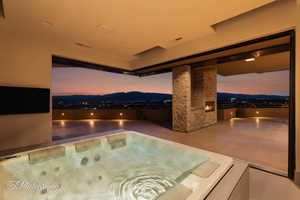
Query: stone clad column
[
  {"x": 181, "y": 97},
  {"x": 194, "y": 98}
]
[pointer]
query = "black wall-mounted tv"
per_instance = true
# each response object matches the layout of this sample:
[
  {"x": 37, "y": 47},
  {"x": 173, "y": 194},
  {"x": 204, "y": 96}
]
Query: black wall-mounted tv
[{"x": 24, "y": 100}]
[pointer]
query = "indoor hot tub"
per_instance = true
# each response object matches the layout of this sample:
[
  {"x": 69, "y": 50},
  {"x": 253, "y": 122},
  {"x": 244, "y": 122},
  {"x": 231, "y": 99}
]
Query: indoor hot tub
[{"x": 123, "y": 166}]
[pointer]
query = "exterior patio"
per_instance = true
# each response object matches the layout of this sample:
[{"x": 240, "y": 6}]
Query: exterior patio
[
  {"x": 195, "y": 41},
  {"x": 259, "y": 140}
]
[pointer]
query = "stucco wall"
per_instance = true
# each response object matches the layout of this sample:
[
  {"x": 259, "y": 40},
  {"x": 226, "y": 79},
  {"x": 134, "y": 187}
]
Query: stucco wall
[
  {"x": 154, "y": 115},
  {"x": 226, "y": 114},
  {"x": 24, "y": 63},
  {"x": 263, "y": 112},
  {"x": 96, "y": 114}
]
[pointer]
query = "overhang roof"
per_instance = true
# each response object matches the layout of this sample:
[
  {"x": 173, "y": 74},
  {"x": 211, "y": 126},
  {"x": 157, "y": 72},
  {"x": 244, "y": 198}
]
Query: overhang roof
[
  {"x": 120, "y": 28},
  {"x": 269, "y": 63}
]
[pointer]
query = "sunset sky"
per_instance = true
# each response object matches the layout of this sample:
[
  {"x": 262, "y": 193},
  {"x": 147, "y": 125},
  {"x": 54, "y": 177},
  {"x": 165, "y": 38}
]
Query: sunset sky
[{"x": 72, "y": 81}]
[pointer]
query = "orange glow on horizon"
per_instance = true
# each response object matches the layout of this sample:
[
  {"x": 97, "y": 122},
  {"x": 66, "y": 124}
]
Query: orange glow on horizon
[{"x": 76, "y": 81}]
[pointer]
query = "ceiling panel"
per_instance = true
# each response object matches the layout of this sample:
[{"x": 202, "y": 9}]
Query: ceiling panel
[
  {"x": 269, "y": 63},
  {"x": 124, "y": 27}
]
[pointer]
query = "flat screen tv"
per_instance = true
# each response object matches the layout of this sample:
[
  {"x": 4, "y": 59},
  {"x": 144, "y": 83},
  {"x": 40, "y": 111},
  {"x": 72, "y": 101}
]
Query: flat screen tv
[{"x": 24, "y": 100}]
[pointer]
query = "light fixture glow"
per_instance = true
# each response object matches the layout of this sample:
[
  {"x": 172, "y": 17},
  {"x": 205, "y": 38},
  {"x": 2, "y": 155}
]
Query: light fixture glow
[
  {"x": 62, "y": 114},
  {"x": 92, "y": 123},
  {"x": 92, "y": 114},
  {"x": 257, "y": 122},
  {"x": 231, "y": 122},
  {"x": 250, "y": 59},
  {"x": 121, "y": 114},
  {"x": 257, "y": 112},
  {"x": 207, "y": 107}
]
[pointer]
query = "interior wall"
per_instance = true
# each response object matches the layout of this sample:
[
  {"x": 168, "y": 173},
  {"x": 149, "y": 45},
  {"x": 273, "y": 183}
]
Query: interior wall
[{"x": 24, "y": 63}]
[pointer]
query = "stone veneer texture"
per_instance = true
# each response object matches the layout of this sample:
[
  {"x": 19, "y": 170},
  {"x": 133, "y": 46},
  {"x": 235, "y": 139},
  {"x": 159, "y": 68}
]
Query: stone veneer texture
[{"x": 192, "y": 87}]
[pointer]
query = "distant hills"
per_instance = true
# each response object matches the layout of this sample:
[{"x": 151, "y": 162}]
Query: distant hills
[
  {"x": 120, "y": 96},
  {"x": 141, "y": 96},
  {"x": 222, "y": 96}
]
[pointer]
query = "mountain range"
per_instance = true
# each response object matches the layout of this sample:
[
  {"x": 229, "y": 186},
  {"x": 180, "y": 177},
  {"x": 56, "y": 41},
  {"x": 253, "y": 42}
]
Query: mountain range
[{"x": 142, "y": 96}]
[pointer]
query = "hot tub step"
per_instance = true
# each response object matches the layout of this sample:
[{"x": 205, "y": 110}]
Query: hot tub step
[{"x": 206, "y": 169}]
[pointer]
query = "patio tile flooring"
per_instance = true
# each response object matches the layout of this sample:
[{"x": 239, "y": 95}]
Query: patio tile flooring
[{"x": 261, "y": 141}]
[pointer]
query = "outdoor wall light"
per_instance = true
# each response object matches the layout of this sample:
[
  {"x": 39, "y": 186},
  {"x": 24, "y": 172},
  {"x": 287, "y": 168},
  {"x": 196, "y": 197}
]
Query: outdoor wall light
[
  {"x": 62, "y": 123},
  {"x": 92, "y": 123},
  {"x": 257, "y": 122},
  {"x": 62, "y": 114},
  {"x": 231, "y": 122},
  {"x": 92, "y": 114},
  {"x": 257, "y": 112},
  {"x": 121, "y": 114}
]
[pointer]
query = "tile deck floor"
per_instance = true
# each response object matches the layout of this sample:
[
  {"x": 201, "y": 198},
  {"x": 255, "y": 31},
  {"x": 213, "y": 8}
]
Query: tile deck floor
[{"x": 262, "y": 141}]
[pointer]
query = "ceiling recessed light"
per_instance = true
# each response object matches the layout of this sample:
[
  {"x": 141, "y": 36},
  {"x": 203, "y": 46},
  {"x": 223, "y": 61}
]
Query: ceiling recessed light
[
  {"x": 104, "y": 27},
  {"x": 250, "y": 59},
  {"x": 47, "y": 23},
  {"x": 82, "y": 45}
]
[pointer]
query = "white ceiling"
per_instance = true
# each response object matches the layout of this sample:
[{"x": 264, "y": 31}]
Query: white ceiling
[{"x": 122, "y": 27}]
